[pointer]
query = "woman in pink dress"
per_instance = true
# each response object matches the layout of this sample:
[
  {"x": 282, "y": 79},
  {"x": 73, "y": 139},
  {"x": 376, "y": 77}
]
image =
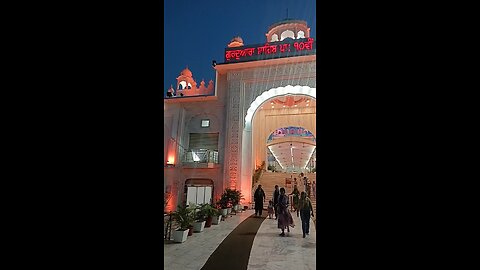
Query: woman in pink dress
[{"x": 284, "y": 217}]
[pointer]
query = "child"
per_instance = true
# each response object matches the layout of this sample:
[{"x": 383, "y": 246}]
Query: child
[{"x": 270, "y": 209}]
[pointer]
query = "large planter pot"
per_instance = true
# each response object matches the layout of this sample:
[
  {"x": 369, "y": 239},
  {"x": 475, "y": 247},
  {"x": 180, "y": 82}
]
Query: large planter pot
[
  {"x": 180, "y": 236},
  {"x": 235, "y": 207},
  {"x": 216, "y": 220},
  {"x": 224, "y": 212},
  {"x": 198, "y": 226},
  {"x": 208, "y": 222},
  {"x": 229, "y": 210},
  {"x": 190, "y": 231}
]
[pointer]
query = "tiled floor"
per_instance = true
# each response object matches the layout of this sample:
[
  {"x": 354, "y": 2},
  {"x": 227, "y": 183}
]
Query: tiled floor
[
  {"x": 193, "y": 253},
  {"x": 269, "y": 251}
]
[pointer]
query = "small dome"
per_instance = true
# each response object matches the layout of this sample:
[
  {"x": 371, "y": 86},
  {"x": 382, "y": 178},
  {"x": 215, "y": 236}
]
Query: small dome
[
  {"x": 237, "y": 39},
  {"x": 236, "y": 42},
  {"x": 186, "y": 72}
]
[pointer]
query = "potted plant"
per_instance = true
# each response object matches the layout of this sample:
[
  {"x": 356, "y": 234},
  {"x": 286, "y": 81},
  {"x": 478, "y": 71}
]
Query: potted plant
[
  {"x": 209, "y": 212},
  {"x": 234, "y": 196},
  {"x": 223, "y": 203},
  {"x": 199, "y": 223},
  {"x": 216, "y": 217},
  {"x": 183, "y": 217}
]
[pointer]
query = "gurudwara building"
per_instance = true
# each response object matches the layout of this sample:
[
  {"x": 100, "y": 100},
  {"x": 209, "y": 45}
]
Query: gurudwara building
[{"x": 259, "y": 114}]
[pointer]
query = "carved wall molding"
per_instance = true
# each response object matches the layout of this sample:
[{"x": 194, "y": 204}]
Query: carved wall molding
[
  {"x": 292, "y": 69},
  {"x": 233, "y": 131}
]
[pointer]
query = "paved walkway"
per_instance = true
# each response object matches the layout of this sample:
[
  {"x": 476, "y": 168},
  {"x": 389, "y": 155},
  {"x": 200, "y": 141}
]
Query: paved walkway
[{"x": 269, "y": 250}]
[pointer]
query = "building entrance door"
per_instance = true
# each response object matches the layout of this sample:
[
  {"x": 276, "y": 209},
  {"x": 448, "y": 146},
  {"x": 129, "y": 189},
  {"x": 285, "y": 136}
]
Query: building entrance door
[{"x": 198, "y": 191}]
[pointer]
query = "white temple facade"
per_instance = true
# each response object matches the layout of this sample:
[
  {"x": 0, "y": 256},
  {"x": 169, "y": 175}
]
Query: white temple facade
[{"x": 216, "y": 134}]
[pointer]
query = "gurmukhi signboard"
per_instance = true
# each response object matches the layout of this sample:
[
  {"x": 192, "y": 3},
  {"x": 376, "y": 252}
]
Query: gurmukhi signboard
[{"x": 285, "y": 48}]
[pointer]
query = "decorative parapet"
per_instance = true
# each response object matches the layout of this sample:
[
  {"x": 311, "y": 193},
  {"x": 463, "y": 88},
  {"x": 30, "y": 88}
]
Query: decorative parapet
[
  {"x": 202, "y": 90},
  {"x": 187, "y": 86}
]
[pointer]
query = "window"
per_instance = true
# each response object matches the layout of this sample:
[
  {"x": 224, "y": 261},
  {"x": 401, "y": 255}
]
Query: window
[
  {"x": 202, "y": 148},
  {"x": 199, "y": 194},
  {"x": 287, "y": 34},
  {"x": 198, "y": 191},
  {"x": 205, "y": 123},
  {"x": 182, "y": 85},
  {"x": 203, "y": 141}
]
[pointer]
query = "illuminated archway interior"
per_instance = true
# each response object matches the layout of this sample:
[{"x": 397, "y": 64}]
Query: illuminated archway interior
[
  {"x": 275, "y": 92},
  {"x": 285, "y": 110}
]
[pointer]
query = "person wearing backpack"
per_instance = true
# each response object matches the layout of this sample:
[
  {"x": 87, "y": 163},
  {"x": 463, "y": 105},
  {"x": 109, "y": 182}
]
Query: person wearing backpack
[{"x": 306, "y": 209}]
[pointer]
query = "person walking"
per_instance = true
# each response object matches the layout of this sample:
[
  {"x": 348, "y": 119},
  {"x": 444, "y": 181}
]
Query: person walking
[
  {"x": 259, "y": 197},
  {"x": 314, "y": 187},
  {"x": 306, "y": 209},
  {"x": 309, "y": 188},
  {"x": 296, "y": 197},
  {"x": 305, "y": 182},
  {"x": 270, "y": 209},
  {"x": 285, "y": 219},
  {"x": 276, "y": 194}
]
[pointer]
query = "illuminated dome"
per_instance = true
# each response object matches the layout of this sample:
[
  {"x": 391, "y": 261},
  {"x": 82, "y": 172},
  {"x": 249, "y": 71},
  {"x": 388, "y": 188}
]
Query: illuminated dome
[
  {"x": 236, "y": 42},
  {"x": 287, "y": 21},
  {"x": 186, "y": 72},
  {"x": 289, "y": 28},
  {"x": 238, "y": 39}
]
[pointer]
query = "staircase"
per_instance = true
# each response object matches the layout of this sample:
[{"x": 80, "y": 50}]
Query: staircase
[{"x": 268, "y": 180}]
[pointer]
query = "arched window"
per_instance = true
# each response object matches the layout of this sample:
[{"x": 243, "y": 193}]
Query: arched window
[
  {"x": 287, "y": 34},
  {"x": 189, "y": 86},
  {"x": 300, "y": 34},
  {"x": 182, "y": 85},
  {"x": 274, "y": 38}
]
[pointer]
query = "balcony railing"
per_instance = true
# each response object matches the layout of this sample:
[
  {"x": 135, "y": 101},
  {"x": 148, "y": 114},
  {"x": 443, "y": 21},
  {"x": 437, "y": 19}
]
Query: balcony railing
[{"x": 201, "y": 156}]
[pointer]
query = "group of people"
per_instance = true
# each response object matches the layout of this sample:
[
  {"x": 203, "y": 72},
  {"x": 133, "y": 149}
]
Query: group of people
[
  {"x": 279, "y": 207},
  {"x": 309, "y": 186}
]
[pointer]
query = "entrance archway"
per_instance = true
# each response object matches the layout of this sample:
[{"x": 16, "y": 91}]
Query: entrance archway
[{"x": 247, "y": 136}]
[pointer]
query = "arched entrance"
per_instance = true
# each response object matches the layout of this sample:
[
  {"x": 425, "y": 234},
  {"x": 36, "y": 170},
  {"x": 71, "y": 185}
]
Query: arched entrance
[{"x": 248, "y": 161}]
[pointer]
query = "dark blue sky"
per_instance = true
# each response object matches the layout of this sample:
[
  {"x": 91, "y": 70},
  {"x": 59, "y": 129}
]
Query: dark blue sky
[{"x": 197, "y": 32}]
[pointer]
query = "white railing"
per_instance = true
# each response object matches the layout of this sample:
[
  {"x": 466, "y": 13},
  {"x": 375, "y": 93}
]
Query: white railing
[{"x": 201, "y": 156}]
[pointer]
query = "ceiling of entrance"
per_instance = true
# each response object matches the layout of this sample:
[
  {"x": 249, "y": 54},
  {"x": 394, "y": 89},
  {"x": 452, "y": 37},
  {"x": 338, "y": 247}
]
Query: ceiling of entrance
[
  {"x": 292, "y": 153},
  {"x": 300, "y": 151},
  {"x": 289, "y": 101}
]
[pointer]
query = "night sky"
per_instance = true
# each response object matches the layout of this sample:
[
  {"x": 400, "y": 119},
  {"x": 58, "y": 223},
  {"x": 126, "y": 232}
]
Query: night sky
[{"x": 197, "y": 32}]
